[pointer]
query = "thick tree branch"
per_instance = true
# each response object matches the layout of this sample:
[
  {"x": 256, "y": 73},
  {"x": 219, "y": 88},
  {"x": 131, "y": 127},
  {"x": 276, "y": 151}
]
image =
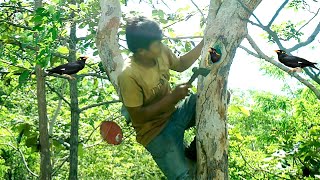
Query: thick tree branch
[
  {"x": 99, "y": 104},
  {"x": 277, "y": 12},
  {"x": 248, "y": 10},
  {"x": 282, "y": 67},
  {"x": 308, "y": 41}
]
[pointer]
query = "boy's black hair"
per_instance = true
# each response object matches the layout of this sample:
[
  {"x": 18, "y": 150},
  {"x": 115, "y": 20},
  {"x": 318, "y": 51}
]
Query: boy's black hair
[{"x": 141, "y": 32}]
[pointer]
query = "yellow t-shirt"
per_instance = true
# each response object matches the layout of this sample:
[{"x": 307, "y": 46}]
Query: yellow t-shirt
[{"x": 141, "y": 86}]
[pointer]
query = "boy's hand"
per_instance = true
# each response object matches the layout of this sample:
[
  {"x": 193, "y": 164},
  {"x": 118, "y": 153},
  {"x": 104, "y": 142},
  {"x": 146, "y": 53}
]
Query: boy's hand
[{"x": 181, "y": 91}]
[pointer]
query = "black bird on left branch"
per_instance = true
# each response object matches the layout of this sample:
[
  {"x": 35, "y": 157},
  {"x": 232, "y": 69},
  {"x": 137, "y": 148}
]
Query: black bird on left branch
[{"x": 69, "y": 68}]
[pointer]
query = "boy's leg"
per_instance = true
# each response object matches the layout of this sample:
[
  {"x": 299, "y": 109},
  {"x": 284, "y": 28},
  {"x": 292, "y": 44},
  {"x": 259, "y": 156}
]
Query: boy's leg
[
  {"x": 184, "y": 117},
  {"x": 167, "y": 150}
]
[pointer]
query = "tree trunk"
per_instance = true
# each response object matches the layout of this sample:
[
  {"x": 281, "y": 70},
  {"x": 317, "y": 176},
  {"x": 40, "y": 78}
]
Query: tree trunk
[
  {"x": 107, "y": 39},
  {"x": 74, "y": 105},
  {"x": 45, "y": 162},
  {"x": 225, "y": 31}
]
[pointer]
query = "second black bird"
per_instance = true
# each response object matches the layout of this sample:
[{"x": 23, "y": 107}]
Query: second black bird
[
  {"x": 294, "y": 61},
  {"x": 69, "y": 68}
]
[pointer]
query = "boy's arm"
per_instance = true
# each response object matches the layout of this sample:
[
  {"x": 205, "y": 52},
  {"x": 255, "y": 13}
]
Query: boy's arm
[
  {"x": 188, "y": 59},
  {"x": 165, "y": 107}
]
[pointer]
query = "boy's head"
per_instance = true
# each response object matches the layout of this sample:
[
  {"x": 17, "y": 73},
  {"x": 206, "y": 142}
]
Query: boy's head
[{"x": 143, "y": 37}]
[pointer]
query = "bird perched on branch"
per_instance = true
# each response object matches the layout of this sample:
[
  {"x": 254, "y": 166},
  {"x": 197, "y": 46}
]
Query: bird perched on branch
[
  {"x": 294, "y": 62},
  {"x": 69, "y": 68}
]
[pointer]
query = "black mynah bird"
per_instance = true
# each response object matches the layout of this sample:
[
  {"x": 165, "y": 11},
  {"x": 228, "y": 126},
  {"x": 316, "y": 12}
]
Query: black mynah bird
[
  {"x": 69, "y": 68},
  {"x": 214, "y": 55},
  {"x": 294, "y": 62}
]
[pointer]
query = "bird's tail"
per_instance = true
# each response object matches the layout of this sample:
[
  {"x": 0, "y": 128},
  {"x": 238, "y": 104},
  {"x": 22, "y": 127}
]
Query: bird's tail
[
  {"x": 313, "y": 65},
  {"x": 49, "y": 71}
]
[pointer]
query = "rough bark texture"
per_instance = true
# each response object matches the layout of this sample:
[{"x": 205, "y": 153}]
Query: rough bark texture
[
  {"x": 45, "y": 163},
  {"x": 225, "y": 30},
  {"x": 74, "y": 106},
  {"x": 107, "y": 39}
]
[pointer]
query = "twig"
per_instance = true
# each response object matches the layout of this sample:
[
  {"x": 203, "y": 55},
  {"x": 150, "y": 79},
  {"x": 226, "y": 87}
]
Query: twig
[
  {"x": 59, "y": 167},
  {"x": 99, "y": 104},
  {"x": 198, "y": 10},
  {"x": 60, "y": 95},
  {"x": 18, "y": 25},
  {"x": 259, "y": 168},
  {"x": 23, "y": 158},
  {"x": 309, "y": 20},
  {"x": 183, "y": 37},
  {"x": 17, "y": 43},
  {"x": 93, "y": 75},
  {"x": 282, "y": 67}
]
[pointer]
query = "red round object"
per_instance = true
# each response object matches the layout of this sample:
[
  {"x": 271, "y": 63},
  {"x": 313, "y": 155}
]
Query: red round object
[{"x": 111, "y": 132}]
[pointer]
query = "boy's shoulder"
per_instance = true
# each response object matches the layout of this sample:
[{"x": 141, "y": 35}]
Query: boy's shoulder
[{"x": 128, "y": 69}]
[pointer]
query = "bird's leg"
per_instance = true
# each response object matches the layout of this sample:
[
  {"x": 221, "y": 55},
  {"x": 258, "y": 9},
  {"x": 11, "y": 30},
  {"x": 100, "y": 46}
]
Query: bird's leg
[
  {"x": 69, "y": 77},
  {"x": 291, "y": 71},
  {"x": 298, "y": 69}
]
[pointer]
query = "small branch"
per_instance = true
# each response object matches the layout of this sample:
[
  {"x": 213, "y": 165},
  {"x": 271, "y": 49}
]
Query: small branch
[
  {"x": 308, "y": 41},
  {"x": 11, "y": 64},
  {"x": 59, "y": 167},
  {"x": 93, "y": 75},
  {"x": 184, "y": 19},
  {"x": 16, "y": 7},
  {"x": 99, "y": 104},
  {"x": 309, "y": 20},
  {"x": 57, "y": 75},
  {"x": 60, "y": 95},
  {"x": 282, "y": 67},
  {"x": 277, "y": 12},
  {"x": 198, "y": 10},
  {"x": 183, "y": 37},
  {"x": 23, "y": 158},
  {"x": 18, "y": 25},
  {"x": 259, "y": 168},
  {"x": 17, "y": 43}
]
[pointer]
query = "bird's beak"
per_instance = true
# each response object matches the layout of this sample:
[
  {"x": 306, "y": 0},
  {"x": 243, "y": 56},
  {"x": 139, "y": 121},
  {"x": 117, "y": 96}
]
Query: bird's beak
[
  {"x": 210, "y": 50},
  {"x": 276, "y": 51}
]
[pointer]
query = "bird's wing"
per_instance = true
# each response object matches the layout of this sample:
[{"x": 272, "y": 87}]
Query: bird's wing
[{"x": 297, "y": 59}]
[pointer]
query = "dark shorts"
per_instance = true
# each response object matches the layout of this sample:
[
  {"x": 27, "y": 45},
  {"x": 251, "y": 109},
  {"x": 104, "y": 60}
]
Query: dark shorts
[{"x": 167, "y": 149}]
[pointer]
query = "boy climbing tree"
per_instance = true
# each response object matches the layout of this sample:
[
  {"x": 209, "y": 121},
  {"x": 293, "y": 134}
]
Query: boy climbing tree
[{"x": 153, "y": 107}]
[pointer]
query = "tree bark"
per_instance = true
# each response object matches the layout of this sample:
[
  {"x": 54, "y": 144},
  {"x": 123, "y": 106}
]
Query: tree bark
[
  {"x": 225, "y": 31},
  {"x": 45, "y": 162},
  {"x": 74, "y": 105},
  {"x": 107, "y": 39}
]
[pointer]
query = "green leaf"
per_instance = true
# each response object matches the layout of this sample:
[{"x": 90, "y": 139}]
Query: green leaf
[
  {"x": 72, "y": 6},
  {"x": 37, "y": 19},
  {"x": 23, "y": 77},
  {"x": 63, "y": 50}
]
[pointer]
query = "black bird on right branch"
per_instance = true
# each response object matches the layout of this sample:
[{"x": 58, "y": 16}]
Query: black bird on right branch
[{"x": 294, "y": 62}]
